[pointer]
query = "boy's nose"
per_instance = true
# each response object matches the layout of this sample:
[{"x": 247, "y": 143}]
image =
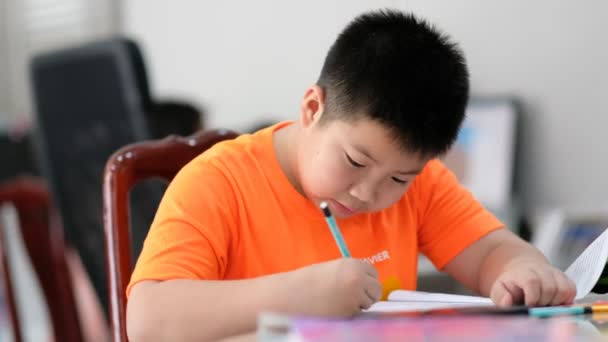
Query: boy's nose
[{"x": 363, "y": 193}]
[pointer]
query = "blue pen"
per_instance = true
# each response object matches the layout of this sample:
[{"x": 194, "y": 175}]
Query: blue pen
[
  {"x": 558, "y": 311},
  {"x": 335, "y": 231}
]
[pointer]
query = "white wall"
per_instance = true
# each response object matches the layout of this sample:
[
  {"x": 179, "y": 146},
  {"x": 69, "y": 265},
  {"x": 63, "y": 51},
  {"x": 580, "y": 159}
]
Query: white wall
[
  {"x": 251, "y": 61},
  {"x": 4, "y": 105},
  {"x": 29, "y": 28}
]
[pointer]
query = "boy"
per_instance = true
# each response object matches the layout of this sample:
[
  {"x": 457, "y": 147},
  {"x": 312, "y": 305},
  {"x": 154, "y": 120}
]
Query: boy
[{"x": 240, "y": 231}]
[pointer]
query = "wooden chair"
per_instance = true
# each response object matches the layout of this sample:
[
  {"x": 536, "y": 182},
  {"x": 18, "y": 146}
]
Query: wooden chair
[
  {"x": 125, "y": 168},
  {"x": 43, "y": 240}
]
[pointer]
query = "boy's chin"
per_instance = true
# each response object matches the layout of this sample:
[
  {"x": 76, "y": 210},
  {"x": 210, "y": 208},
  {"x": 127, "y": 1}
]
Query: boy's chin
[{"x": 344, "y": 217}]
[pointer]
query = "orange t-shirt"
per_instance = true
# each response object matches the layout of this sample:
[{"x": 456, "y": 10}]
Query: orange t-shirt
[{"x": 231, "y": 213}]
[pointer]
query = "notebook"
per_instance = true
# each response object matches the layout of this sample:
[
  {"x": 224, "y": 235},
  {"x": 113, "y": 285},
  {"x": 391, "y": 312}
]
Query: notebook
[
  {"x": 585, "y": 271},
  {"x": 403, "y": 300}
]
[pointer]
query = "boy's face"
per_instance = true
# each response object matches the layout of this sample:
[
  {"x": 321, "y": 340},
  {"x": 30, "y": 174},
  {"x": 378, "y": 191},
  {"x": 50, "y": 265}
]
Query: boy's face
[{"x": 356, "y": 166}]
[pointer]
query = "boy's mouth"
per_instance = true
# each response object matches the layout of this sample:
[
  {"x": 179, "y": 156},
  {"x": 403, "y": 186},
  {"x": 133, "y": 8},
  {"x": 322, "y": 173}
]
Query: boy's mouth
[{"x": 341, "y": 209}]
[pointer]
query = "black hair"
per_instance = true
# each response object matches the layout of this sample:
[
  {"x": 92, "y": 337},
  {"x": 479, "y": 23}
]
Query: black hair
[{"x": 400, "y": 71}]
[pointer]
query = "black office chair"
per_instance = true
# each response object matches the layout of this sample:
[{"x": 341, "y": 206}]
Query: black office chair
[{"x": 90, "y": 101}]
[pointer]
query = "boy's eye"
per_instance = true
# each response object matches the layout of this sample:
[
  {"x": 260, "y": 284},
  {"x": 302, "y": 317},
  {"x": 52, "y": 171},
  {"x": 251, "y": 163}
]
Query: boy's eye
[
  {"x": 352, "y": 162},
  {"x": 399, "y": 181}
]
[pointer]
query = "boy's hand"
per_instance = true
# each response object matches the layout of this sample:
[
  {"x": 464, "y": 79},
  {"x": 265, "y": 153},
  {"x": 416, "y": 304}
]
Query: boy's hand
[
  {"x": 533, "y": 283},
  {"x": 339, "y": 287}
]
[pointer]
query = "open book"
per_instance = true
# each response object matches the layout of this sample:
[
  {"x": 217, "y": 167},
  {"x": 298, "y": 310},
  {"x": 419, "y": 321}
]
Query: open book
[{"x": 585, "y": 271}]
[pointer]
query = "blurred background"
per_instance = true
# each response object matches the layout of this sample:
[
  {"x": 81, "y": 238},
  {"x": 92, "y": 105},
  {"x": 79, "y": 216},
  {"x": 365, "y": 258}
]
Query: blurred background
[{"x": 79, "y": 79}]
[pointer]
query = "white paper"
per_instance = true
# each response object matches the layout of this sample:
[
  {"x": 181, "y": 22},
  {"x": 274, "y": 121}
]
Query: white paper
[
  {"x": 402, "y": 300},
  {"x": 586, "y": 270},
  {"x": 419, "y": 296},
  {"x": 417, "y": 306}
]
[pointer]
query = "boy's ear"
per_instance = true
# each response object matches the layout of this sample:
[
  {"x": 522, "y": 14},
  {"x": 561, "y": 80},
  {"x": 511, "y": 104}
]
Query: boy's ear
[{"x": 312, "y": 105}]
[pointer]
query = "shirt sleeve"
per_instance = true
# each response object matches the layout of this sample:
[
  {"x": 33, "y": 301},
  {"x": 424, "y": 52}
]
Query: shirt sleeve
[
  {"x": 190, "y": 234},
  {"x": 451, "y": 218}
]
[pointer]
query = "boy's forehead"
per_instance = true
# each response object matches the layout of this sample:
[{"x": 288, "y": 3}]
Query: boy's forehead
[
  {"x": 372, "y": 138},
  {"x": 365, "y": 131},
  {"x": 359, "y": 123}
]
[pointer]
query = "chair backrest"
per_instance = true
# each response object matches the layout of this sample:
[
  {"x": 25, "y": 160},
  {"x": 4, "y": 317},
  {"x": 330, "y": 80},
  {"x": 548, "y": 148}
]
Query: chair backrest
[
  {"x": 43, "y": 240},
  {"x": 88, "y": 105},
  {"x": 91, "y": 100},
  {"x": 128, "y": 166}
]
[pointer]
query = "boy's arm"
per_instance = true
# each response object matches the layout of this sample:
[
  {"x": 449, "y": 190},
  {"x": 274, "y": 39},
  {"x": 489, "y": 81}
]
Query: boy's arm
[
  {"x": 509, "y": 270},
  {"x": 200, "y": 310},
  {"x": 189, "y": 310}
]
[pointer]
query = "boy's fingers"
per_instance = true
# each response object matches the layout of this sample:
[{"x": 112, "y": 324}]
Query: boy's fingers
[
  {"x": 373, "y": 289},
  {"x": 497, "y": 292},
  {"x": 563, "y": 289},
  {"x": 507, "y": 300},
  {"x": 503, "y": 288},
  {"x": 548, "y": 286},
  {"x": 501, "y": 295},
  {"x": 531, "y": 286},
  {"x": 572, "y": 289},
  {"x": 366, "y": 300},
  {"x": 370, "y": 270}
]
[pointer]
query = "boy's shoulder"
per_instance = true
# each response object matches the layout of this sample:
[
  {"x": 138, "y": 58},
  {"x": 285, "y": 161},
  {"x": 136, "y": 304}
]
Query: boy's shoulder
[
  {"x": 239, "y": 155},
  {"x": 245, "y": 145}
]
